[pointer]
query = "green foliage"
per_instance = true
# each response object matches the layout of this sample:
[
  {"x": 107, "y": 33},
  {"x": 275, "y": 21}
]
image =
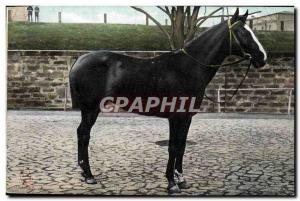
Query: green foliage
[
  {"x": 277, "y": 41},
  {"x": 54, "y": 36}
]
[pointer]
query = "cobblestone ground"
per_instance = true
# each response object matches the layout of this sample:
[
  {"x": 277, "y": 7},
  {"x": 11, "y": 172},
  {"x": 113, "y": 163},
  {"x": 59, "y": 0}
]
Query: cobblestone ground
[{"x": 225, "y": 156}]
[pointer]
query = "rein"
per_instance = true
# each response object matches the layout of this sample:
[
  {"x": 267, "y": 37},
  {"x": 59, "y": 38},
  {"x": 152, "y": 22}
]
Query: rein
[
  {"x": 236, "y": 90},
  {"x": 246, "y": 56}
]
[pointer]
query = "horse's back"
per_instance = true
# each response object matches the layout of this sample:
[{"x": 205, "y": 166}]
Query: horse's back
[
  {"x": 96, "y": 74},
  {"x": 89, "y": 59},
  {"x": 102, "y": 73}
]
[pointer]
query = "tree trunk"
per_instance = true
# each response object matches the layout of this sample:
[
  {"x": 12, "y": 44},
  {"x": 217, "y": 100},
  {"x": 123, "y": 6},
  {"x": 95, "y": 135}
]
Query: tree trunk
[{"x": 178, "y": 32}]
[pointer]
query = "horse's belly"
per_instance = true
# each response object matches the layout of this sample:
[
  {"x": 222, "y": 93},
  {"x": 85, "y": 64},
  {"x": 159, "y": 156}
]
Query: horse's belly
[{"x": 151, "y": 106}]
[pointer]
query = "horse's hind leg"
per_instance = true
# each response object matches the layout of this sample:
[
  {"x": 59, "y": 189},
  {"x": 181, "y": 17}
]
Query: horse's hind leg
[{"x": 83, "y": 133}]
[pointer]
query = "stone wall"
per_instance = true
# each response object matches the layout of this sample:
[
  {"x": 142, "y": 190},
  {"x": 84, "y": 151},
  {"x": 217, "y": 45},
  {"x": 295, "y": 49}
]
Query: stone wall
[
  {"x": 39, "y": 80},
  {"x": 266, "y": 90}
]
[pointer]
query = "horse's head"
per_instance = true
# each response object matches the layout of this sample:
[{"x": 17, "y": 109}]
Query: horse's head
[{"x": 246, "y": 40}]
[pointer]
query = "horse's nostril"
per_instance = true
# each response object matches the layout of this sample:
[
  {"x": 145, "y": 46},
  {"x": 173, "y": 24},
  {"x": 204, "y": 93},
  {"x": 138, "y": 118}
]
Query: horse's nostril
[{"x": 264, "y": 61}]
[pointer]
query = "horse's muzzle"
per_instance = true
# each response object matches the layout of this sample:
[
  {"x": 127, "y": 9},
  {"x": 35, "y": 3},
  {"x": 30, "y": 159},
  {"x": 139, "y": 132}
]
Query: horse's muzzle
[{"x": 258, "y": 64}]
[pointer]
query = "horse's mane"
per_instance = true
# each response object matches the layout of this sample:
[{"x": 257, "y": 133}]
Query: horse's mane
[{"x": 203, "y": 33}]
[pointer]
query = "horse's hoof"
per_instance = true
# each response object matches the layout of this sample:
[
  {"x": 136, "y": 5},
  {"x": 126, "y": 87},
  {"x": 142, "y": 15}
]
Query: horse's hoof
[
  {"x": 184, "y": 185},
  {"x": 90, "y": 180},
  {"x": 174, "y": 189}
]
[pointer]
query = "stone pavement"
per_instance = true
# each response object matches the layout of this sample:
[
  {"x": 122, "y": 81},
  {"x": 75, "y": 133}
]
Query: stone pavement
[{"x": 226, "y": 155}]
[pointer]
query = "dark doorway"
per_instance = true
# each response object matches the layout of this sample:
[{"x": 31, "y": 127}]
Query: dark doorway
[
  {"x": 251, "y": 24},
  {"x": 282, "y": 26}
]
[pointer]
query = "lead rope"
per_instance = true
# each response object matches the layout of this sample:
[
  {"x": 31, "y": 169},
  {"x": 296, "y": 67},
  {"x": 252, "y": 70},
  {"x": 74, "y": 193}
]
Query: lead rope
[
  {"x": 246, "y": 57},
  {"x": 230, "y": 51},
  {"x": 215, "y": 66},
  {"x": 236, "y": 90}
]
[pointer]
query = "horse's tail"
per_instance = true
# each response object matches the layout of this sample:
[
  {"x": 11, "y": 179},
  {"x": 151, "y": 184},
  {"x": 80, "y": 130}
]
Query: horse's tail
[
  {"x": 75, "y": 59},
  {"x": 75, "y": 94}
]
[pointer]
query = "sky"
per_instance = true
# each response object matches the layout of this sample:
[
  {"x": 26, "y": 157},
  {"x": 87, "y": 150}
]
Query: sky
[{"x": 127, "y": 15}]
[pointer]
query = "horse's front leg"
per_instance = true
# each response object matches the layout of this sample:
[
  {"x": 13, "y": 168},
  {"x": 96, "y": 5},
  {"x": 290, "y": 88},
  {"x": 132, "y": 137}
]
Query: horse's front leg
[
  {"x": 178, "y": 131},
  {"x": 172, "y": 186},
  {"x": 180, "y": 144},
  {"x": 83, "y": 133}
]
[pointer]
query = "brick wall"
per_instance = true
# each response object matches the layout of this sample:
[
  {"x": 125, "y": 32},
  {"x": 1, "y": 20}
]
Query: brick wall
[
  {"x": 265, "y": 90},
  {"x": 39, "y": 80}
]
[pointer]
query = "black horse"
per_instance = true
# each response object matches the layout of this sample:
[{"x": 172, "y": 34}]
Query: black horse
[{"x": 185, "y": 72}]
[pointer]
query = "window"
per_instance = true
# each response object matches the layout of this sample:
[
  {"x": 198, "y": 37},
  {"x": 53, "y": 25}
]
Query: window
[{"x": 282, "y": 26}]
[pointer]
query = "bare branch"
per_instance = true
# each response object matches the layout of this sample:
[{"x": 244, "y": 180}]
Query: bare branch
[
  {"x": 164, "y": 10},
  {"x": 169, "y": 13},
  {"x": 253, "y": 13},
  {"x": 204, "y": 18},
  {"x": 216, "y": 16},
  {"x": 209, "y": 15},
  {"x": 187, "y": 13},
  {"x": 187, "y": 10},
  {"x": 195, "y": 13},
  {"x": 227, "y": 12},
  {"x": 191, "y": 30},
  {"x": 173, "y": 11},
  {"x": 185, "y": 22},
  {"x": 161, "y": 9},
  {"x": 173, "y": 14},
  {"x": 168, "y": 10},
  {"x": 157, "y": 23}
]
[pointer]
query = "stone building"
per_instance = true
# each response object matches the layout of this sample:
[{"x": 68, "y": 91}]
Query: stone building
[
  {"x": 281, "y": 21},
  {"x": 16, "y": 13}
]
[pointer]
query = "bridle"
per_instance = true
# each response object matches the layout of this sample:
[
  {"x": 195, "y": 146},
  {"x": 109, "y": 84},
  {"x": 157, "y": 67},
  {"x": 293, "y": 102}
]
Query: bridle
[{"x": 246, "y": 56}]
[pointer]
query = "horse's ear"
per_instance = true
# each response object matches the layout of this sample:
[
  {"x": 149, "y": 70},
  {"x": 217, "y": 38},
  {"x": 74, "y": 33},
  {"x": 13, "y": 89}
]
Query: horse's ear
[
  {"x": 244, "y": 17},
  {"x": 235, "y": 16}
]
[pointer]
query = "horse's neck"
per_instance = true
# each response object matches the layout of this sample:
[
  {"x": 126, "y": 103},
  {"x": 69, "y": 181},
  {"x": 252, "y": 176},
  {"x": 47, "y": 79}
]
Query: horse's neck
[{"x": 210, "y": 48}]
